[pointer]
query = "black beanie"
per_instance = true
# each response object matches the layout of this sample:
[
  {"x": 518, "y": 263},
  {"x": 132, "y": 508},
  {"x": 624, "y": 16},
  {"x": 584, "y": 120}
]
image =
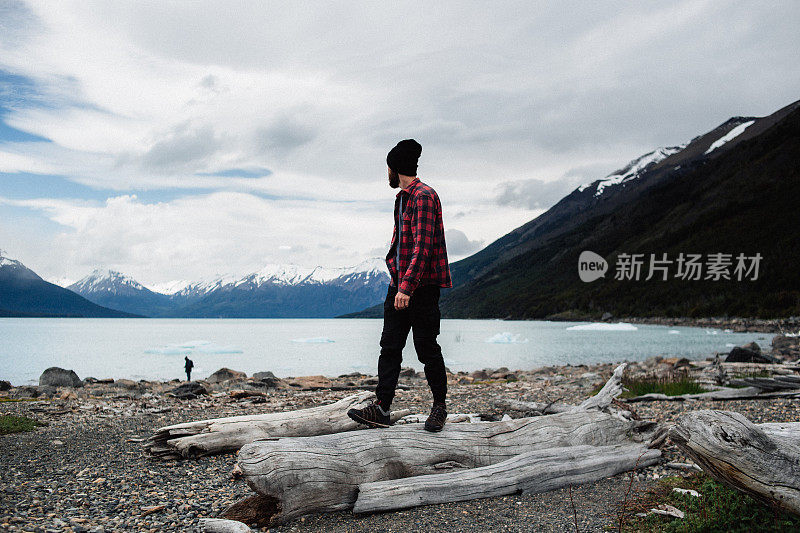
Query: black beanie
[{"x": 403, "y": 157}]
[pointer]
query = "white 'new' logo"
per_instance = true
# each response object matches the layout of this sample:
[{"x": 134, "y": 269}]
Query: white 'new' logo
[{"x": 591, "y": 266}]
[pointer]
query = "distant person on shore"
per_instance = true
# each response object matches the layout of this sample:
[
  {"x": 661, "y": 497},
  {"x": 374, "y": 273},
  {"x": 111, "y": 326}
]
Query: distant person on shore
[
  {"x": 418, "y": 266},
  {"x": 188, "y": 367}
]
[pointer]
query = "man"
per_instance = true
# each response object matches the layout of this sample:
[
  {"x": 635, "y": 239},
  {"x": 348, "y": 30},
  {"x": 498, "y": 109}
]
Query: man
[
  {"x": 417, "y": 262},
  {"x": 188, "y": 365}
]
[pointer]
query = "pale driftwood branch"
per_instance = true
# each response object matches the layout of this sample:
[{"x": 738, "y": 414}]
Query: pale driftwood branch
[
  {"x": 530, "y": 472},
  {"x": 297, "y": 476},
  {"x": 603, "y": 399},
  {"x": 746, "y": 393},
  {"x": 608, "y": 393},
  {"x": 761, "y": 460},
  {"x": 220, "y": 435},
  {"x": 219, "y": 525}
]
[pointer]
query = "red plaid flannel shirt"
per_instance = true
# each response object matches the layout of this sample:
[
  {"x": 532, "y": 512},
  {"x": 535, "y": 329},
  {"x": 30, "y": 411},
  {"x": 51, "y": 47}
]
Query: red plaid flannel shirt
[{"x": 423, "y": 255}]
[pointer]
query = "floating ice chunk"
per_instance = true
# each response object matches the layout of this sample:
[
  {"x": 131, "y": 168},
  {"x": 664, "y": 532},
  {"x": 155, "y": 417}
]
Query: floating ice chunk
[
  {"x": 730, "y": 345},
  {"x": 193, "y": 344},
  {"x": 712, "y": 332},
  {"x": 603, "y": 326},
  {"x": 215, "y": 349},
  {"x": 674, "y": 332},
  {"x": 506, "y": 337},
  {"x": 192, "y": 347},
  {"x": 169, "y": 350},
  {"x": 314, "y": 340}
]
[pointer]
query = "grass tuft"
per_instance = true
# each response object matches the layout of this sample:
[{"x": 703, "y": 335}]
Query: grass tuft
[
  {"x": 673, "y": 385},
  {"x": 718, "y": 509},
  {"x": 17, "y": 424}
]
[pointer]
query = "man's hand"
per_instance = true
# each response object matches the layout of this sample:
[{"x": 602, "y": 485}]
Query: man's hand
[{"x": 401, "y": 301}]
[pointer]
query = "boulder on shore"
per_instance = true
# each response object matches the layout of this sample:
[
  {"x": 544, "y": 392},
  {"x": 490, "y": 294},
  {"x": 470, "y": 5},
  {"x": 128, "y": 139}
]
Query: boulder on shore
[
  {"x": 743, "y": 355},
  {"x": 5, "y": 385},
  {"x": 189, "y": 391},
  {"x": 59, "y": 377},
  {"x": 225, "y": 374}
]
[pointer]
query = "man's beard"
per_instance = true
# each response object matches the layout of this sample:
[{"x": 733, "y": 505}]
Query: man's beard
[{"x": 394, "y": 180}]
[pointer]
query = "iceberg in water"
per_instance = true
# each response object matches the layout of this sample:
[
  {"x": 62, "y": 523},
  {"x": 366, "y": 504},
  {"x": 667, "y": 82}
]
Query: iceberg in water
[
  {"x": 193, "y": 344},
  {"x": 186, "y": 348},
  {"x": 213, "y": 348},
  {"x": 674, "y": 332},
  {"x": 169, "y": 350},
  {"x": 603, "y": 326},
  {"x": 506, "y": 337},
  {"x": 314, "y": 340}
]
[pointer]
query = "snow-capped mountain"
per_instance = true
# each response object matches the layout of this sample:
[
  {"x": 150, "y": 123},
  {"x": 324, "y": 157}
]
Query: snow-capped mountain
[
  {"x": 107, "y": 281},
  {"x": 730, "y": 188},
  {"x": 25, "y": 293},
  {"x": 113, "y": 289},
  {"x": 272, "y": 291}
]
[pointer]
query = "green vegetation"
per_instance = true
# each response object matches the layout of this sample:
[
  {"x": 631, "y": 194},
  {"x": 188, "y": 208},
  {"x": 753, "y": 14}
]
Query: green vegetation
[
  {"x": 673, "y": 385},
  {"x": 17, "y": 424},
  {"x": 718, "y": 509}
]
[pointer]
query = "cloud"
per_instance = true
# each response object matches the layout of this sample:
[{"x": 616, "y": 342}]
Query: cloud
[
  {"x": 513, "y": 107},
  {"x": 540, "y": 194},
  {"x": 458, "y": 245},
  {"x": 195, "y": 236}
]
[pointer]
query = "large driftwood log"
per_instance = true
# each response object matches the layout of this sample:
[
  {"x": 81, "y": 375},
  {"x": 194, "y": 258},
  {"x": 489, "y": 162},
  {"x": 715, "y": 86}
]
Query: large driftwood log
[
  {"x": 530, "y": 472},
  {"x": 220, "y": 435},
  {"x": 761, "y": 460},
  {"x": 745, "y": 393},
  {"x": 298, "y": 476}
]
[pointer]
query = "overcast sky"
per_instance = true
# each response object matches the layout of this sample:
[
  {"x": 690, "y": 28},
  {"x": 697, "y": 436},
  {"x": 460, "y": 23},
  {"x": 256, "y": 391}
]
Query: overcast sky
[{"x": 178, "y": 140}]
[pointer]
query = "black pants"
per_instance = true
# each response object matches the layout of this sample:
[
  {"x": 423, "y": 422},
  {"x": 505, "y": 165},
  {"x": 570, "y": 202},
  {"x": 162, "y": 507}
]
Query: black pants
[
  {"x": 188, "y": 375},
  {"x": 422, "y": 317}
]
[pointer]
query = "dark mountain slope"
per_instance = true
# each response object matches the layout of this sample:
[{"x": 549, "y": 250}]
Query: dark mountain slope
[
  {"x": 24, "y": 293},
  {"x": 740, "y": 198}
]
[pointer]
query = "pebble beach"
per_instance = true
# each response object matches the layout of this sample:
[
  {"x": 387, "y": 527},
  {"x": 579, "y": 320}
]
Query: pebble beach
[{"x": 86, "y": 468}]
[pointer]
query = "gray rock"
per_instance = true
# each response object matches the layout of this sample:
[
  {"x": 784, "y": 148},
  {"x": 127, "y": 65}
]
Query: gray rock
[
  {"x": 25, "y": 391},
  {"x": 269, "y": 382},
  {"x": 408, "y": 372},
  {"x": 606, "y": 316},
  {"x": 59, "y": 377},
  {"x": 742, "y": 355},
  {"x": 479, "y": 375},
  {"x": 262, "y": 375},
  {"x": 753, "y": 347},
  {"x": 189, "y": 391},
  {"x": 225, "y": 374}
]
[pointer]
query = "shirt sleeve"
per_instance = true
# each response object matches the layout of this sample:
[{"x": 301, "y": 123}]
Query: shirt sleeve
[{"x": 422, "y": 232}]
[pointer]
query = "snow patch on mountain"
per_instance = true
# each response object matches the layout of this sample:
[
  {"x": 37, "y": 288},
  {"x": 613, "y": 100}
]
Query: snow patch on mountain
[
  {"x": 5, "y": 261},
  {"x": 286, "y": 275},
  {"x": 633, "y": 169},
  {"x": 170, "y": 287},
  {"x": 735, "y": 132}
]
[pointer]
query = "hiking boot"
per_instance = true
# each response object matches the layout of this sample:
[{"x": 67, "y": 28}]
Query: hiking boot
[
  {"x": 372, "y": 415},
  {"x": 435, "y": 421}
]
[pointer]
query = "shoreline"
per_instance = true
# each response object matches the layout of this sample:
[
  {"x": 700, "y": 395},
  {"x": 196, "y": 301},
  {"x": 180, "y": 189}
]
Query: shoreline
[
  {"x": 87, "y": 468},
  {"x": 735, "y": 324}
]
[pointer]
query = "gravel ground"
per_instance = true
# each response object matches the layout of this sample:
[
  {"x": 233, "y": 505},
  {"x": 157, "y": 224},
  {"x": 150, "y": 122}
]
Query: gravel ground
[{"x": 86, "y": 470}]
